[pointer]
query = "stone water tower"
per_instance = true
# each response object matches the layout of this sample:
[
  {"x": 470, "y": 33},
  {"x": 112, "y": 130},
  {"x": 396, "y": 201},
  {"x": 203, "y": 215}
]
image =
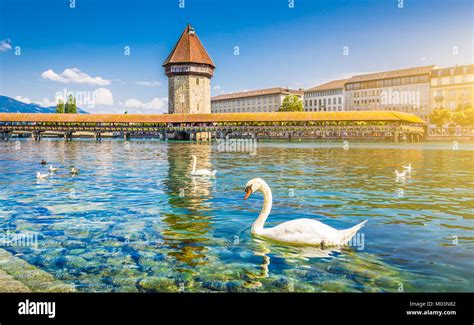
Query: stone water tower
[{"x": 189, "y": 69}]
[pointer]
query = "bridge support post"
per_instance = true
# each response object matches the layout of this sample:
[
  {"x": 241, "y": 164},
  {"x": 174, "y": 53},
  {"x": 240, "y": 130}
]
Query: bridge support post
[
  {"x": 36, "y": 135},
  {"x": 68, "y": 136},
  {"x": 98, "y": 136},
  {"x": 126, "y": 136},
  {"x": 5, "y": 135}
]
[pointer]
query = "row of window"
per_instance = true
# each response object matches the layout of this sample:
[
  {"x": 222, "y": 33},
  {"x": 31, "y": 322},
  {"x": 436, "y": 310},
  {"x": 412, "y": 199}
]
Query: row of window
[
  {"x": 387, "y": 82},
  {"x": 329, "y": 92},
  {"x": 324, "y": 109},
  {"x": 465, "y": 92},
  {"x": 380, "y": 92},
  {"x": 408, "y": 109},
  {"x": 323, "y": 101},
  {"x": 453, "y": 105},
  {"x": 451, "y": 80},
  {"x": 246, "y": 109},
  {"x": 439, "y": 73},
  {"x": 247, "y": 101}
]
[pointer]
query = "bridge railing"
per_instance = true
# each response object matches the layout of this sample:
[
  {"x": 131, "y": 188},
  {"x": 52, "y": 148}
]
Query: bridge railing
[{"x": 451, "y": 131}]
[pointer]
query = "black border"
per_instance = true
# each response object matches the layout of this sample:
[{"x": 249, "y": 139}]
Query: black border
[{"x": 238, "y": 306}]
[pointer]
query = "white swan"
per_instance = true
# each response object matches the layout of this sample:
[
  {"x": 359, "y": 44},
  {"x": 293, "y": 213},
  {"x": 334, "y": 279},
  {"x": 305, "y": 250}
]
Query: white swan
[
  {"x": 400, "y": 174},
  {"x": 407, "y": 168},
  {"x": 42, "y": 176},
  {"x": 52, "y": 169},
  {"x": 74, "y": 171},
  {"x": 299, "y": 231},
  {"x": 201, "y": 172}
]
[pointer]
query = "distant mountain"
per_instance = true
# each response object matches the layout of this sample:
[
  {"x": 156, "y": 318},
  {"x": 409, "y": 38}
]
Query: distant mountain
[{"x": 10, "y": 105}]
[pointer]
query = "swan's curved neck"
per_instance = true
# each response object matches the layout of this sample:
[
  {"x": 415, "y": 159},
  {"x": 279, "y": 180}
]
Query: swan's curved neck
[
  {"x": 194, "y": 164},
  {"x": 257, "y": 226}
]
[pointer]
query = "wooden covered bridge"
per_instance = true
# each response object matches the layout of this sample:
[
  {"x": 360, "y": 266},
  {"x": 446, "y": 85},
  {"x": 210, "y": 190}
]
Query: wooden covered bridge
[{"x": 354, "y": 124}]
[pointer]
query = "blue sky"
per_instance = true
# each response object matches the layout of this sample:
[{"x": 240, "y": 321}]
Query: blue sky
[{"x": 297, "y": 47}]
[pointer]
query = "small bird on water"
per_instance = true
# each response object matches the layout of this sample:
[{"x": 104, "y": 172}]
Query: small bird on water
[
  {"x": 407, "y": 168},
  {"x": 74, "y": 171},
  {"x": 42, "y": 176},
  {"x": 400, "y": 174}
]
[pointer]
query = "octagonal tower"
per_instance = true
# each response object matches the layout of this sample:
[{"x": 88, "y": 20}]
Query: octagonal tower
[{"x": 189, "y": 69}]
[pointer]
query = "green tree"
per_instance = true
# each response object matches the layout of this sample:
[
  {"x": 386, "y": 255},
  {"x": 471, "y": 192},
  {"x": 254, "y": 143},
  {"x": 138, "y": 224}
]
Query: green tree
[
  {"x": 440, "y": 116},
  {"x": 70, "y": 107},
  {"x": 469, "y": 113},
  {"x": 463, "y": 115},
  {"x": 60, "y": 107},
  {"x": 291, "y": 103},
  {"x": 464, "y": 118}
]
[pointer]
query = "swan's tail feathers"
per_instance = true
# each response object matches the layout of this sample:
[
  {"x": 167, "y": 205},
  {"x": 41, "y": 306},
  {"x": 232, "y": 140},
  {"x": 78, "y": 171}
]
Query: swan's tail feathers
[
  {"x": 347, "y": 234},
  {"x": 213, "y": 173}
]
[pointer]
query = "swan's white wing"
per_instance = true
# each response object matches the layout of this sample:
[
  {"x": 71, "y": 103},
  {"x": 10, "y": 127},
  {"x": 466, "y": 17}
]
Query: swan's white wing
[
  {"x": 203, "y": 172},
  {"x": 302, "y": 231}
]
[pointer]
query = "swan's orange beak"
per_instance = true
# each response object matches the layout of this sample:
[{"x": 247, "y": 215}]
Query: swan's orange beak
[{"x": 248, "y": 191}]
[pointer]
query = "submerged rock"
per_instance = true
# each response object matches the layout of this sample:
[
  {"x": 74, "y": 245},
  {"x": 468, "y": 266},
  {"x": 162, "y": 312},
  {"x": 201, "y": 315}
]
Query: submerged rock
[
  {"x": 156, "y": 284},
  {"x": 31, "y": 276},
  {"x": 283, "y": 283},
  {"x": 215, "y": 285}
]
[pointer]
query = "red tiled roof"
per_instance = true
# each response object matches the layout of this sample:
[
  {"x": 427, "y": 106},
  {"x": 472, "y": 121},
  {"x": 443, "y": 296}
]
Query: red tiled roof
[
  {"x": 335, "y": 84},
  {"x": 189, "y": 49},
  {"x": 393, "y": 74},
  {"x": 258, "y": 92}
]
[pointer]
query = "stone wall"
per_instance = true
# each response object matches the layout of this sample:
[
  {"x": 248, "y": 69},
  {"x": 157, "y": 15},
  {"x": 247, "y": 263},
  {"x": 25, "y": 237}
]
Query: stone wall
[{"x": 187, "y": 95}]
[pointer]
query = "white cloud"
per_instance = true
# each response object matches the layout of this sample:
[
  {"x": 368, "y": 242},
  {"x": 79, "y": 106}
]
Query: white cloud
[
  {"x": 75, "y": 76},
  {"x": 103, "y": 96},
  {"x": 22, "y": 99},
  {"x": 156, "y": 105},
  {"x": 5, "y": 45},
  {"x": 216, "y": 87},
  {"x": 152, "y": 83},
  {"x": 46, "y": 102}
]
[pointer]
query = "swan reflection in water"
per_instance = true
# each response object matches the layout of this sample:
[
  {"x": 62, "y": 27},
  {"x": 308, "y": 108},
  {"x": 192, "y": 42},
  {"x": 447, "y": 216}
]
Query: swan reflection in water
[
  {"x": 188, "y": 231},
  {"x": 292, "y": 254}
]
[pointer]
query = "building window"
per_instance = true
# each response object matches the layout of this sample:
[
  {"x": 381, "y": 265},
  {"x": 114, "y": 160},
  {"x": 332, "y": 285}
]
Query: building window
[{"x": 197, "y": 81}]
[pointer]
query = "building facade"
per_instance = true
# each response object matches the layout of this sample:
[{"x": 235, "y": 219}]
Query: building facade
[
  {"x": 453, "y": 88},
  {"x": 263, "y": 100},
  {"x": 326, "y": 97},
  {"x": 405, "y": 90},
  {"x": 189, "y": 69}
]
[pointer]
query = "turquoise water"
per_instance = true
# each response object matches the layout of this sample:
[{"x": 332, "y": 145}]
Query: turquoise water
[{"x": 134, "y": 220}]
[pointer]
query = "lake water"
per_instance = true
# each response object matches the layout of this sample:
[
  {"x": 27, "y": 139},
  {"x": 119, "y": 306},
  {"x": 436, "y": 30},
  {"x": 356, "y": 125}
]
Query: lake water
[{"x": 134, "y": 220}]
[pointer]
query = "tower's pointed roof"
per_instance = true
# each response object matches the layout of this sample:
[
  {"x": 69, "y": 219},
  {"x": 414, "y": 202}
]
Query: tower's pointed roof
[{"x": 189, "y": 49}]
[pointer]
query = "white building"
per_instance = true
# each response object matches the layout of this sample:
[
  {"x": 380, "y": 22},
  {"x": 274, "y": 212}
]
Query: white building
[
  {"x": 405, "y": 90},
  {"x": 262, "y": 100},
  {"x": 326, "y": 97}
]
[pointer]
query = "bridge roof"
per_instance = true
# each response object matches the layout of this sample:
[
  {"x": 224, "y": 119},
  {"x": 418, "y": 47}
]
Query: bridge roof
[{"x": 388, "y": 116}]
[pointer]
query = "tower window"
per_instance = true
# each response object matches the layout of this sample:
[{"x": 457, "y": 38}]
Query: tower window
[{"x": 197, "y": 81}]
